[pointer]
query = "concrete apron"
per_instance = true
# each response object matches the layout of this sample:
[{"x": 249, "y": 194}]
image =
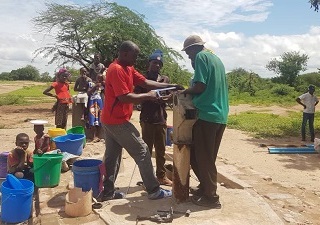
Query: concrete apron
[{"x": 240, "y": 203}]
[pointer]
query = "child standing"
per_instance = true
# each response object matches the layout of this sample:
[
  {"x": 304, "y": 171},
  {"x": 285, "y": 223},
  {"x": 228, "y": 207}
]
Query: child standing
[
  {"x": 95, "y": 105},
  {"x": 82, "y": 85},
  {"x": 20, "y": 160},
  {"x": 62, "y": 94}
]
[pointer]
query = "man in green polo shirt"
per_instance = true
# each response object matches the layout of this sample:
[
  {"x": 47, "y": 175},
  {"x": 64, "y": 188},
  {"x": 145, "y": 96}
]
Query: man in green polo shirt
[{"x": 210, "y": 96}]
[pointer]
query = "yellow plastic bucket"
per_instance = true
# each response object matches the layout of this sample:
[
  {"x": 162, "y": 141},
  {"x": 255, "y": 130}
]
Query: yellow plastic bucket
[{"x": 55, "y": 132}]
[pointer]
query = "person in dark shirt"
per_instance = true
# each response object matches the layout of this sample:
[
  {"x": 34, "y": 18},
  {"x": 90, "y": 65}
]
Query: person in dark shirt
[{"x": 153, "y": 118}]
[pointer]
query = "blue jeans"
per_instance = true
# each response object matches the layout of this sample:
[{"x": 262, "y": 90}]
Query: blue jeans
[
  {"x": 128, "y": 137},
  {"x": 310, "y": 118}
]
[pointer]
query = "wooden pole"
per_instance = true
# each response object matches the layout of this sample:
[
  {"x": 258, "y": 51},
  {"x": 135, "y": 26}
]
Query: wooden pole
[
  {"x": 181, "y": 172},
  {"x": 184, "y": 116},
  {"x": 77, "y": 111}
]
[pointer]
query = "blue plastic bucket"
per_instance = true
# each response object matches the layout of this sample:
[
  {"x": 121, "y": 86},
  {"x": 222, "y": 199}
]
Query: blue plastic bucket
[
  {"x": 71, "y": 143},
  {"x": 168, "y": 138},
  {"x": 16, "y": 204},
  {"x": 86, "y": 175}
]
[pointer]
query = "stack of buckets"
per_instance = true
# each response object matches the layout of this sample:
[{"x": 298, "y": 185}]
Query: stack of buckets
[
  {"x": 16, "y": 201},
  {"x": 72, "y": 142},
  {"x": 77, "y": 130},
  {"x": 55, "y": 132}
]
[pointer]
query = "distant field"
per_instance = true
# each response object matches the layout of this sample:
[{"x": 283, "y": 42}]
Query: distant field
[{"x": 24, "y": 92}]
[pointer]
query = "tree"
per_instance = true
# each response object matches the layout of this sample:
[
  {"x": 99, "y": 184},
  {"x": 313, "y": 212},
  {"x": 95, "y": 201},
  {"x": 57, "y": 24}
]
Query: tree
[
  {"x": 45, "y": 77},
  {"x": 288, "y": 67},
  {"x": 243, "y": 81},
  {"x": 26, "y": 73},
  {"x": 79, "y": 32},
  {"x": 315, "y": 4},
  {"x": 5, "y": 76},
  {"x": 176, "y": 74}
]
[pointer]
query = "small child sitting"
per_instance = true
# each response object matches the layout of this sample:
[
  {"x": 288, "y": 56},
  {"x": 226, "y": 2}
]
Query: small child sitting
[
  {"x": 42, "y": 144},
  {"x": 20, "y": 160},
  {"x": 41, "y": 140}
]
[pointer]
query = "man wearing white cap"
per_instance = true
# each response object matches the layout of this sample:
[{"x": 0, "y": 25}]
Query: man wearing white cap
[{"x": 210, "y": 97}]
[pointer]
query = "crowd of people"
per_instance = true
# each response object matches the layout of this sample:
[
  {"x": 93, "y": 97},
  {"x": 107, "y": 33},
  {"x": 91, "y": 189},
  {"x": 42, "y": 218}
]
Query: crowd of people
[{"x": 108, "y": 95}]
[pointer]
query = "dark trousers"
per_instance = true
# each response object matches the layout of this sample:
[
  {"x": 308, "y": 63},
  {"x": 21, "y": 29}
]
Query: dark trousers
[
  {"x": 154, "y": 135},
  {"x": 206, "y": 142},
  {"x": 307, "y": 117}
]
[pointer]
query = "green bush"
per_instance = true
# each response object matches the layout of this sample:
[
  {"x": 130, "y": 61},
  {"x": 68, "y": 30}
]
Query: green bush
[{"x": 282, "y": 89}]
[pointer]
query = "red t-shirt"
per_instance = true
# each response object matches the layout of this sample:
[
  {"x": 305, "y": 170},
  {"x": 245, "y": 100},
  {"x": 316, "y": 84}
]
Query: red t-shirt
[
  {"x": 62, "y": 91},
  {"x": 119, "y": 81}
]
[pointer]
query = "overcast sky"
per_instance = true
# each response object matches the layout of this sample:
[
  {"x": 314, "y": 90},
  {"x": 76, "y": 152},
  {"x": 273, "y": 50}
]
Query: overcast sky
[{"x": 243, "y": 33}]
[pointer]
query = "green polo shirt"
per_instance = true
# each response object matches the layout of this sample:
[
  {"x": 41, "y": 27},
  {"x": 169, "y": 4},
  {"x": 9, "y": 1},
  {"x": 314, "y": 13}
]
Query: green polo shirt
[{"x": 213, "y": 103}]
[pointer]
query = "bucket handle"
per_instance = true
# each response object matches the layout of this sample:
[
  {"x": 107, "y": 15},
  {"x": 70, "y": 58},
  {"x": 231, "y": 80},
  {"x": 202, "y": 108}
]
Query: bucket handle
[
  {"x": 41, "y": 165},
  {"x": 10, "y": 195}
]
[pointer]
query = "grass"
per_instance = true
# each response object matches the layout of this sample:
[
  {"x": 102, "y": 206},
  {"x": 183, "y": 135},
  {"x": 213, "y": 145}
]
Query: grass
[
  {"x": 33, "y": 91},
  {"x": 263, "y": 125},
  {"x": 263, "y": 97}
]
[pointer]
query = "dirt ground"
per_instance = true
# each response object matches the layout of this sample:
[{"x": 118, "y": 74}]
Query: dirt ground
[{"x": 288, "y": 182}]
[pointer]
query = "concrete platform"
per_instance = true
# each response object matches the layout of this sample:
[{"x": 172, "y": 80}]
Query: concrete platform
[{"x": 240, "y": 203}]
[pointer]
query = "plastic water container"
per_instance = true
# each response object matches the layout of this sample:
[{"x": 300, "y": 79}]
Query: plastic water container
[
  {"x": 77, "y": 130},
  {"x": 168, "y": 138},
  {"x": 47, "y": 169},
  {"x": 86, "y": 175},
  {"x": 3, "y": 164},
  {"x": 71, "y": 143},
  {"x": 55, "y": 132},
  {"x": 16, "y": 204}
]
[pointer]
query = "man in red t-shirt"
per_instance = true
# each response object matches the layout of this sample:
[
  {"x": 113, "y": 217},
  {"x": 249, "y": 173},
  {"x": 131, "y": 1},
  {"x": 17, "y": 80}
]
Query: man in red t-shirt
[{"x": 121, "y": 78}]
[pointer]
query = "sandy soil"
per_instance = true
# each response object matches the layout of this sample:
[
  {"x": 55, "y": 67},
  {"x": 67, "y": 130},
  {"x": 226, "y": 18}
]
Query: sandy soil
[{"x": 289, "y": 182}]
